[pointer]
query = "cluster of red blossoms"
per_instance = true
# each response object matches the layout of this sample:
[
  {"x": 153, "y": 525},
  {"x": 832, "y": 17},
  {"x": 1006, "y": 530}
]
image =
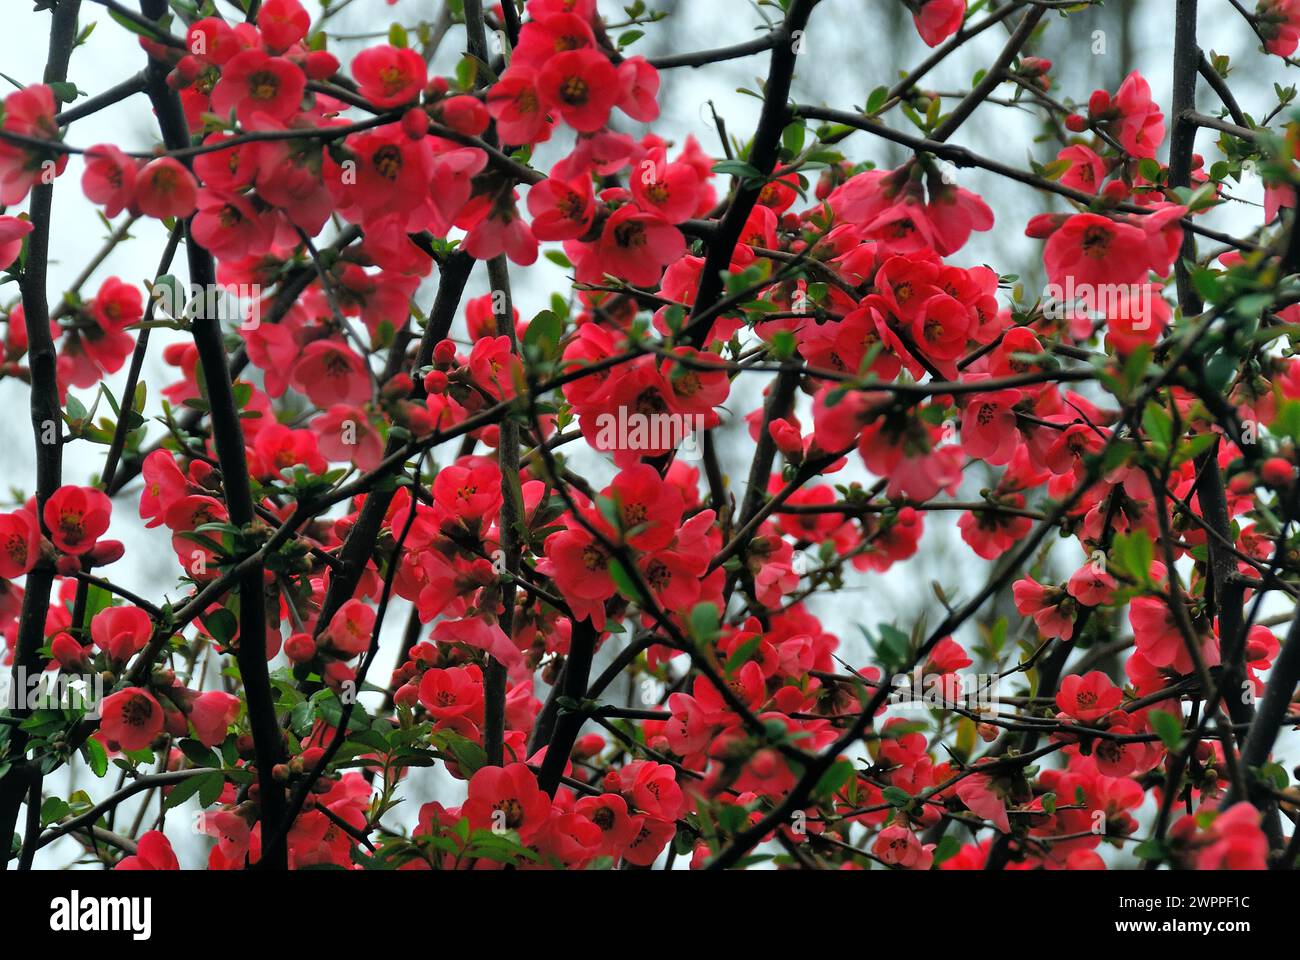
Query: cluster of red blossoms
[{"x": 748, "y": 684}]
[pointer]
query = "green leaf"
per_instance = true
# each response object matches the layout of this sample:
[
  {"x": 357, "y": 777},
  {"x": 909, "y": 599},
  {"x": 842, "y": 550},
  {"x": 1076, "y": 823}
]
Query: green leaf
[
  {"x": 1168, "y": 727},
  {"x": 198, "y": 754},
  {"x": 184, "y": 790},
  {"x": 626, "y": 586},
  {"x": 737, "y": 168},
  {"x": 792, "y": 137},
  {"x": 543, "y": 334},
  {"x": 834, "y": 779},
  {"x": 896, "y": 796},
  {"x": 1159, "y": 427},
  {"x": 53, "y": 810},
  {"x": 705, "y": 622},
  {"x": 96, "y": 756},
  {"x": 1149, "y": 850},
  {"x": 877, "y": 99},
  {"x": 742, "y": 654}
]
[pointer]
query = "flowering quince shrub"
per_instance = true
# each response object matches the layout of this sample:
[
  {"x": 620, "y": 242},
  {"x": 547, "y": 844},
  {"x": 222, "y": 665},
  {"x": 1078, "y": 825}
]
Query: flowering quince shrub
[{"x": 330, "y": 458}]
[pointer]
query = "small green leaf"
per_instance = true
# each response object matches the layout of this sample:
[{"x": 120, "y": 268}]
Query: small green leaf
[{"x": 1168, "y": 727}]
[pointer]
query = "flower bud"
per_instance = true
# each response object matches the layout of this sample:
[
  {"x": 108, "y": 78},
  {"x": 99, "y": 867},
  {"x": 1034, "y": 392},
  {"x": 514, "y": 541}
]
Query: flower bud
[
  {"x": 320, "y": 65},
  {"x": 415, "y": 123},
  {"x": 1276, "y": 472}
]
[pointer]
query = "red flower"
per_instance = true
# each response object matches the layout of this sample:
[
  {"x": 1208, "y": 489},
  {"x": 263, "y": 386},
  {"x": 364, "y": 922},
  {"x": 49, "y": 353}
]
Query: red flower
[
  {"x": 20, "y": 543},
  {"x": 562, "y": 210},
  {"x": 329, "y": 373},
  {"x": 1092, "y": 250},
  {"x": 164, "y": 485},
  {"x": 454, "y": 694},
  {"x": 507, "y": 798},
  {"x": 635, "y": 246},
  {"x": 153, "y": 852},
  {"x": 28, "y": 112},
  {"x": 1236, "y": 841},
  {"x": 109, "y": 179},
  {"x": 671, "y": 190},
  {"x": 283, "y": 23},
  {"x": 516, "y": 105},
  {"x": 121, "y": 632},
  {"x": 389, "y": 76},
  {"x": 1141, "y": 125},
  {"x": 350, "y": 628},
  {"x": 937, "y": 20},
  {"x": 164, "y": 188},
  {"x": 117, "y": 305},
  {"x": 76, "y": 517},
  {"x": 131, "y": 718},
  {"x": 470, "y": 489},
  {"x": 609, "y": 813},
  {"x": 1089, "y": 697},
  {"x": 581, "y": 86},
  {"x": 258, "y": 87}
]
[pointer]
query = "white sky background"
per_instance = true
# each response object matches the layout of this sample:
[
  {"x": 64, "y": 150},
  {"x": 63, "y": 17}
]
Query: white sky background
[{"x": 851, "y": 47}]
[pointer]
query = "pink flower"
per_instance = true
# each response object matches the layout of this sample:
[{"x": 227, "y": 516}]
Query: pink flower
[
  {"x": 328, "y": 372},
  {"x": 121, "y": 632},
  {"x": 164, "y": 188},
  {"x": 164, "y": 485},
  {"x": 109, "y": 179},
  {"x": 12, "y": 231},
  {"x": 1237, "y": 841},
  {"x": 211, "y": 714},
  {"x": 1087, "y": 170},
  {"x": 1089, "y": 697},
  {"x": 988, "y": 426},
  {"x": 76, "y": 517},
  {"x": 638, "y": 89},
  {"x": 351, "y": 627},
  {"x": 899, "y": 846},
  {"x": 478, "y": 633},
  {"x": 1141, "y": 125},
  {"x": 978, "y": 793},
  {"x": 343, "y": 433},
  {"x": 131, "y": 718}
]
